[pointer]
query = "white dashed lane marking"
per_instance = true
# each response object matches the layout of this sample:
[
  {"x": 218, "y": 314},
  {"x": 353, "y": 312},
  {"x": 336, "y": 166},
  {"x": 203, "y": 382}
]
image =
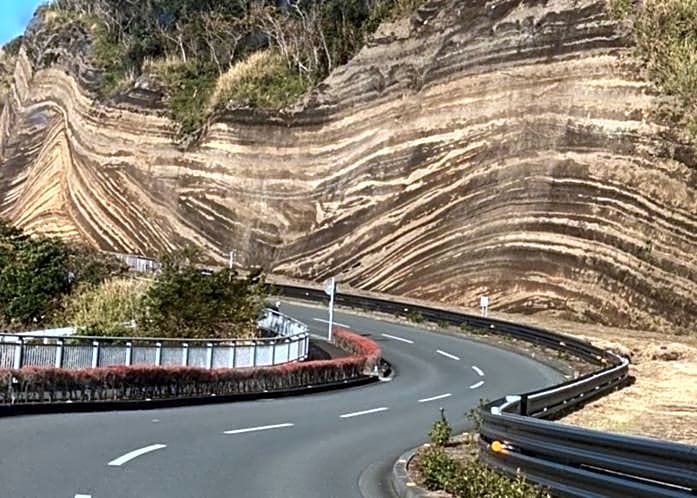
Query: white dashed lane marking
[
  {"x": 440, "y": 396},
  {"x": 260, "y": 428},
  {"x": 398, "y": 338},
  {"x": 134, "y": 454},
  {"x": 478, "y": 370},
  {"x": 447, "y": 355},
  {"x": 322, "y": 320},
  {"x": 478, "y": 384},
  {"x": 364, "y": 412}
]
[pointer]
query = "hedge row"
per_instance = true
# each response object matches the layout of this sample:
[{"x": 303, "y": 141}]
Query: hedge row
[{"x": 33, "y": 384}]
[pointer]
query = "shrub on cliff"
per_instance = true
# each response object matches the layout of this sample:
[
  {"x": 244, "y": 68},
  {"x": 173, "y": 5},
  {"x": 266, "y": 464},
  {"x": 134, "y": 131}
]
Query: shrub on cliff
[
  {"x": 208, "y": 38},
  {"x": 665, "y": 32}
]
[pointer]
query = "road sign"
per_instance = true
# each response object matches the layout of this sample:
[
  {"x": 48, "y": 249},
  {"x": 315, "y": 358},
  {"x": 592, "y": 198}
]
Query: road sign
[{"x": 484, "y": 305}]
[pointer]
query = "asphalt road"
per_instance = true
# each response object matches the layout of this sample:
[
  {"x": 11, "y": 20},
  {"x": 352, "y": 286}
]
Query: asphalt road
[{"x": 339, "y": 444}]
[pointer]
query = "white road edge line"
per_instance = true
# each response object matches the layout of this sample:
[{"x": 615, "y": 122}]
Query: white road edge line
[
  {"x": 364, "y": 412},
  {"x": 134, "y": 454},
  {"x": 398, "y": 338},
  {"x": 261, "y": 428},
  {"x": 447, "y": 355},
  {"x": 322, "y": 320},
  {"x": 478, "y": 370},
  {"x": 83, "y": 496},
  {"x": 478, "y": 384},
  {"x": 441, "y": 396}
]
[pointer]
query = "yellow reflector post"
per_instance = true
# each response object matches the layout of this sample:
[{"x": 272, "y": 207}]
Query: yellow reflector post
[{"x": 497, "y": 447}]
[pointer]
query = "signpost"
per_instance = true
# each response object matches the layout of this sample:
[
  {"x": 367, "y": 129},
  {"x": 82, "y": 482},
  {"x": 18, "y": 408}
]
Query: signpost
[
  {"x": 232, "y": 258},
  {"x": 484, "y": 305},
  {"x": 330, "y": 290}
]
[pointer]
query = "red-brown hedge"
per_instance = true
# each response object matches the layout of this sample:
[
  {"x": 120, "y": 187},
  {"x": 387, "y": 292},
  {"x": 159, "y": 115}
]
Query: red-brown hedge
[{"x": 32, "y": 384}]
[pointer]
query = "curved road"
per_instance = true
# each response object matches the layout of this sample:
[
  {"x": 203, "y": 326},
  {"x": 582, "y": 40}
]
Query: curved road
[{"x": 339, "y": 444}]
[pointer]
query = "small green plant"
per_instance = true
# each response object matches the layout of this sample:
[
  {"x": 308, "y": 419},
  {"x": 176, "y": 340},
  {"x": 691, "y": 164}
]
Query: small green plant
[
  {"x": 473, "y": 415},
  {"x": 415, "y": 316},
  {"x": 441, "y": 430},
  {"x": 437, "y": 468}
]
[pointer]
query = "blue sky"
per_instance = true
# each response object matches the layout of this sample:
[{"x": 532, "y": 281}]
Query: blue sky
[{"x": 14, "y": 16}]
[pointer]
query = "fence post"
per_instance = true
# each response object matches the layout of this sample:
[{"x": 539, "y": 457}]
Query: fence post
[
  {"x": 19, "y": 353},
  {"x": 254, "y": 354},
  {"x": 129, "y": 353},
  {"x": 95, "y": 354},
  {"x": 273, "y": 351},
  {"x": 288, "y": 341},
  {"x": 158, "y": 353},
  {"x": 231, "y": 359},
  {"x": 306, "y": 346},
  {"x": 185, "y": 354},
  {"x": 59, "y": 353},
  {"x": 234, "y": 354},
  {"x": 524, "y": 404},
  {"x": 209, "y": 355}
]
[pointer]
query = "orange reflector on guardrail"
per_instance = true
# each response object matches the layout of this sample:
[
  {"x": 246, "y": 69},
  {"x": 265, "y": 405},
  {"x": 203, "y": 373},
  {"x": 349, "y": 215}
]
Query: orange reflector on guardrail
[{"x": 497, "y": 447}]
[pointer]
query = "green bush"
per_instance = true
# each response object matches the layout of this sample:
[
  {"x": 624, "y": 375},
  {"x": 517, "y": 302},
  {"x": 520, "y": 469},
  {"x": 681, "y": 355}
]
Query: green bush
[
  {"x": 437, "y": 468},
  {"x": 37, "y": 272},
  {"x": 182, "y": 302},
  {"x": 471, "y": 479},
  {"x": 441, "y": 431},
  {"x": 189, "y": 86},
  {"x": 105, "y": 309},
  {"x": 415, "y": 316}
]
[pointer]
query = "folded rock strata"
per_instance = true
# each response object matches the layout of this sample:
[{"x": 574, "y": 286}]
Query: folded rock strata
[{"x": 505, "y": 148}]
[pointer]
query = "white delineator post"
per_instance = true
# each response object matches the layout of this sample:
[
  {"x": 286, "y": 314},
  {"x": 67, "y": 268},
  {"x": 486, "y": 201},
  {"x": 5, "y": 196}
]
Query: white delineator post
[{"x": 330, "y": 289}]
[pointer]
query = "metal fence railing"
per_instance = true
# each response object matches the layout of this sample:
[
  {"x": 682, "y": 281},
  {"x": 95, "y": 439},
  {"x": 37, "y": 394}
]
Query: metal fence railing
[
  {"x": 290, "y": 342},
  {"x": 571, "y": 461}
]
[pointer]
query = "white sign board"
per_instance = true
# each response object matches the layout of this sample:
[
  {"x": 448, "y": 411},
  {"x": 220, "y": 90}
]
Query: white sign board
[
  {"x": 329, "y": 287},
  {"x": 484, "y": 301}
]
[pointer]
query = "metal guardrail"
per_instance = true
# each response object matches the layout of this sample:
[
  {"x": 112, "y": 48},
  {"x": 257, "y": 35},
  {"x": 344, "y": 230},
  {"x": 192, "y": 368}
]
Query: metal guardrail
[
  {"x": 570, "y": 461},
  {"x": 291, "y": 343}
]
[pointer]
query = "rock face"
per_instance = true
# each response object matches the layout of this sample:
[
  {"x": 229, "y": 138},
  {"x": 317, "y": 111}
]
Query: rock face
[{"x": 506, "y": 148}]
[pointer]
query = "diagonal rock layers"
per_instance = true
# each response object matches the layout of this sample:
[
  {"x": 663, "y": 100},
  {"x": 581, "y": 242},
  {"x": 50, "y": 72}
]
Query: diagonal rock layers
[{"x": 506, "y": 148}]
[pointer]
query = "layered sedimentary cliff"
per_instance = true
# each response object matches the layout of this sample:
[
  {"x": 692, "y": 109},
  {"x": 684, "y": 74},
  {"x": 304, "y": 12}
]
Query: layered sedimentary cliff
[{"x": 503, "y": 147}]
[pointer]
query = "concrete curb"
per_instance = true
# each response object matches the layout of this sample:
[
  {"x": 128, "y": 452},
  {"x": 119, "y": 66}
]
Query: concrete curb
[
  {"x": 108, "y": 406},
  {"x": 402, "y": 484}
]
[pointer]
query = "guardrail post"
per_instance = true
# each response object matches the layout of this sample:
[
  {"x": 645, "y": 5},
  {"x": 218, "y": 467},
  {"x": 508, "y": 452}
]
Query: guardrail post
[
  {"x": 209, "y": 355},
  {"x": 273, "y": 352},
  {"x": 158, "y": 353},
  {"x": 185, "y": 354},
  {"x": 288, "y": 341},
  {"x": 95, "y": 354},
  {"x": 59, "y": 353},
  {"x": 234, "y": 355},
  {"x": 524, "y": 404},
  {"x": 19, "y": 355},
  {"x": 306, "y": 346},
  {"x": 129, "y": 353},
  {"x": 254, "y": 354}
]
